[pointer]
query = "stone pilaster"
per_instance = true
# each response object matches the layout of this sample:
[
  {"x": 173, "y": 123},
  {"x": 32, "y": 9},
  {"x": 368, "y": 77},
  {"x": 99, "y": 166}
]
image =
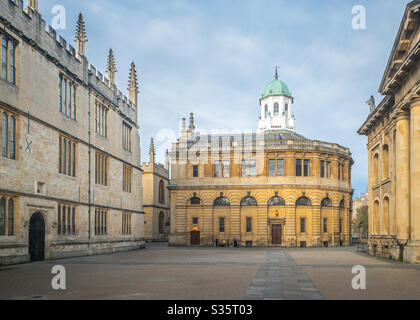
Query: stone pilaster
[
  {"x": 403, "y": 176},
  {"x": 208, "y": 230},
  {"x": 262, "y": 225},
  {"x": 415, "y": 170},
  {"x": 334, "y": 226},
  {"x": 316, "y": 225},
  {"x": 347, "y": 226},
  {"x": 291, "y": 225},
  {"x": 235, "y": 222}
]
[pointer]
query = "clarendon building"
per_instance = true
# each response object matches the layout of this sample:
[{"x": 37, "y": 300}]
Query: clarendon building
[
  {"x": 70, "y": 176},
  {"x": 270, "y": 188},
  {"x": 156, "y": 197},
  {"x": 393, "y": 131}
]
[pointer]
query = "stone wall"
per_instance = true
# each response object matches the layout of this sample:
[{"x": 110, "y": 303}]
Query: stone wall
[{"x": 34, "y": 102}]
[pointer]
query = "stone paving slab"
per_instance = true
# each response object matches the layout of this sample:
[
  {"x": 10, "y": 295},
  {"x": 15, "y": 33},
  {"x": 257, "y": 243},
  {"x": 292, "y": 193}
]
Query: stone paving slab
[{"x": 280, "y": 278}]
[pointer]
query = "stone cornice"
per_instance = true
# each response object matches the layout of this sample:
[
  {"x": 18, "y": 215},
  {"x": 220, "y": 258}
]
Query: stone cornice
[
  {"x": 401, "y": 45},
  {"x": 262, "y": 186},
  {"x": 57, "y": 199},
  {"x": 376, "y": 114}
]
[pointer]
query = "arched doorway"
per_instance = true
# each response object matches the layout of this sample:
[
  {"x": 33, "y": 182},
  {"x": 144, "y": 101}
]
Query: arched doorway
[{"x": 37, "y": 237}]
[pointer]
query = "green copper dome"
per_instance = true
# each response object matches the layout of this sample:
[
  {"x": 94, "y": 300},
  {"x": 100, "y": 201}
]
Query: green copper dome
[{"x": 276, "y": 88}]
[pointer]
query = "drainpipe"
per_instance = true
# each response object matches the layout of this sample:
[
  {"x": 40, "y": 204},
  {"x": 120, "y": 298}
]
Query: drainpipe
[{"x": 89, "y": 171}]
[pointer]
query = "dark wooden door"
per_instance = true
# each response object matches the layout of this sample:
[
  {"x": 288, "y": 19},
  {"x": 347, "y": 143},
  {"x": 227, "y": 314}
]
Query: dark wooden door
[
  {"x": 36, "y": 237},
  {"x": 195, "y": 238},
  {"x": 276, "y": 233}
]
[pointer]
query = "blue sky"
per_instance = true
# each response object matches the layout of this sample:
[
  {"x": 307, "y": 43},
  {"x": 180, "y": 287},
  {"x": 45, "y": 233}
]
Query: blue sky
[{"x": 215, "y": 57}]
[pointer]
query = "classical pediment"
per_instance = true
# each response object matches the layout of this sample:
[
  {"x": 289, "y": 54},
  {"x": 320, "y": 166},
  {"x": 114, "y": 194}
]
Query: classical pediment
[{"x": 405, "y": 52}]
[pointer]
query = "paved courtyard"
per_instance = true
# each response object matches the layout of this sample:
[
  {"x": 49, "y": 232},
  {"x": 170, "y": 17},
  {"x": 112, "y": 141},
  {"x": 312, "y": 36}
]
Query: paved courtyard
[{"x": 162, "y": 272}]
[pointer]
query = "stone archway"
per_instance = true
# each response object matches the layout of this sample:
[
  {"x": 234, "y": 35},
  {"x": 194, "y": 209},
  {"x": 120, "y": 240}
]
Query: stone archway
[{"x": 37, "y": 237}]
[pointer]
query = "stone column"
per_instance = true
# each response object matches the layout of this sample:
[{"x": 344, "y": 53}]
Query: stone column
[
  {"x": 403, "y": 176},
  {"x": 415, "y": 169}
]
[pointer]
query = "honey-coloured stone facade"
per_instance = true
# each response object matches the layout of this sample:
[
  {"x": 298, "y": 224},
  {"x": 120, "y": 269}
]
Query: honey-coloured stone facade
[
  {"x": 230, "y": 208},
  {"x": 38, "y": 183},
  {"x": 156, "y": 198},
  {"x": 393, "y": 131}
]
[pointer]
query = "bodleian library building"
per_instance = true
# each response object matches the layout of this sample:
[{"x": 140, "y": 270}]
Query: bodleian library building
[{"x": 70, "y": 175}]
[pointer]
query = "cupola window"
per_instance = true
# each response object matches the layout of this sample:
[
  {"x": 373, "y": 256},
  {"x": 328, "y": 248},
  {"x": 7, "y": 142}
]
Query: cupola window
[{"x": 276, "y": 109}]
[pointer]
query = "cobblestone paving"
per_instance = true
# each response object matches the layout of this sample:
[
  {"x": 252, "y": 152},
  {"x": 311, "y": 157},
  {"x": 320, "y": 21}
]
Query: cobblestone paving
[
  {"x": 199, "y": 273},
  {"x": 280, "y": 278}
]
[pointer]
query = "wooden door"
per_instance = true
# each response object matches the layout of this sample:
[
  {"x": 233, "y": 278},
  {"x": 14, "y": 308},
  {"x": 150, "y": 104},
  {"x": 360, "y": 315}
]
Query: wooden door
[
  {"x": 195, "y": 238},
  {"x": 276, "y": 233},
  {"x": 36, "y": 237}
]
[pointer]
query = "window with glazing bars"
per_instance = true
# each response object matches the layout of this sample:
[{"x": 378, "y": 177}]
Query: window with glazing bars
[
  {"x": 127, "y": 172},
  {"x": 8, "y": 135},
  {"x": 66, "y": 156},
  {"x": 100, "y": 222},
  {"x": 66, "y": 220},
  {"x": 7, "y": 216},
  {"x": 67, "y": 97},
  {"x": 8, "y": 58},
  {"x": 126, "y": 223},
  {"x": 126, "y": 136},
  {"x": 101, "y": 169},
  {"x": 249, "y": 168},
  {"x": 101, "y": 119}
]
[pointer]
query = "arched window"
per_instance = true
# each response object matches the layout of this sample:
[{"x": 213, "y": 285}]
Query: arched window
[
  {"x": 221, "y": 201},
  {"x": 276, "y": 109},
  {"x": 303, "y": 201},
  {"x": 161, "y": 191},
  {"x": 375, "y": 169},
  {"x": 286, "y": 110},
  {"x": 2, "y": 216},
  {"x": 342, "y": 206},
  {"x": 276, "y": 201},
  {"x": 248, "y": 201},
  {"x": 195, "y": 200},
  {"x": 326, "y": 203},
  {"x": 161, "y": 222},
  {"x": 266, "y": 111},
  {"x": 385, "y": 162}
]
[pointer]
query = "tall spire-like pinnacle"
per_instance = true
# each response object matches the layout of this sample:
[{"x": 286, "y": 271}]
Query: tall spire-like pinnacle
[
  {"x": 81, "y": 36},
  {"x": 276, "y": 76},
  {"x": 152, "y": 151},
  {"x": 133, "y": 87},
  {"x": 167, "y": 159},
  {"x": 33, "y": 4},
  {"x": 111, "y": 68},
  {"x": 191, "y": 127}
]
